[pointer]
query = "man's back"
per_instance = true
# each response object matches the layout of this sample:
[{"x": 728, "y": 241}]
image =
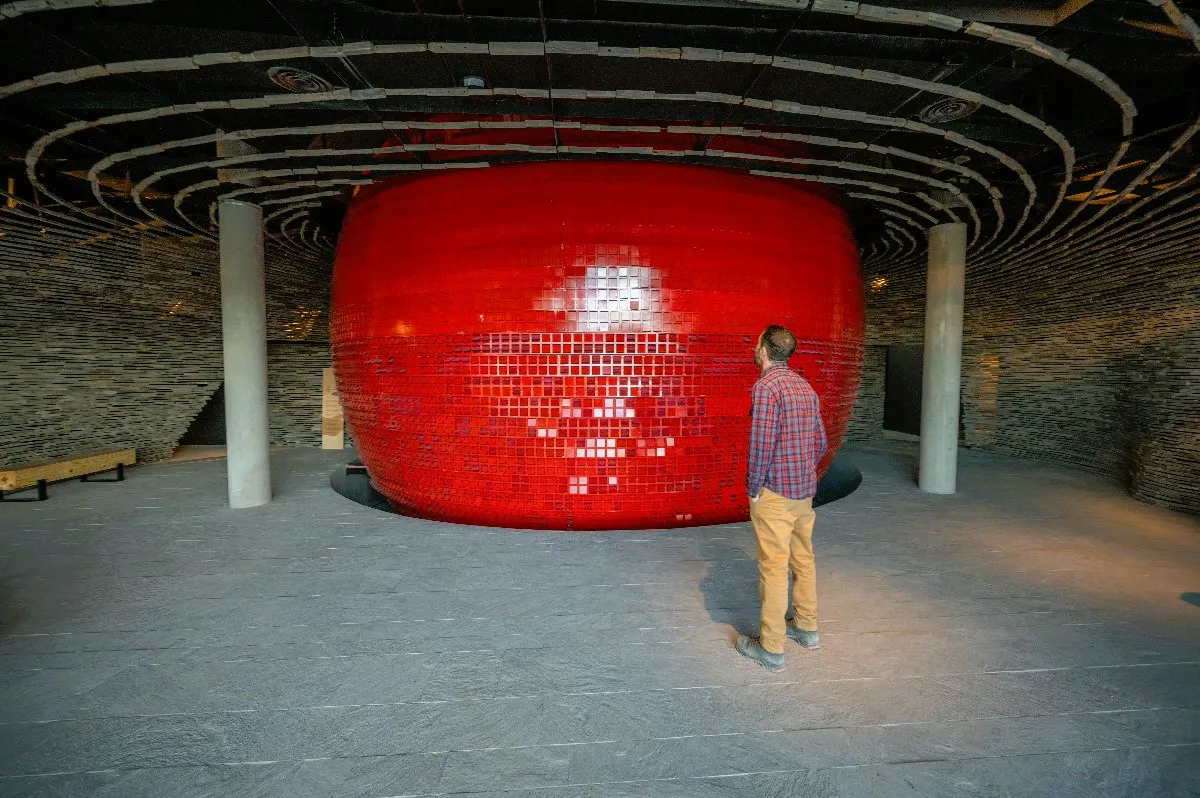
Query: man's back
[{"x": 787, "y": 438}]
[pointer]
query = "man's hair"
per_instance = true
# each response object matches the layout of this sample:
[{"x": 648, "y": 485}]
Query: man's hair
[{"x": 779, "y": 343}]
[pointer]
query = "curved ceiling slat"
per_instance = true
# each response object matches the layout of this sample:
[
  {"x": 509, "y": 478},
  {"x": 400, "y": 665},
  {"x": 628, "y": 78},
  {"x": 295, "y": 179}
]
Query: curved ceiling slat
[
  {"x": 1029, "y": 44},
  {"x": 271, "y": 100},
  {"x": 140, "y": 188},
  {"x": 734, "y": 131},
  {"x": 22, "y": 7},
  {"x": 210, "y": 59},
  {"x": 182, "y": 196},
  {"x": 1022, "y": 219}
]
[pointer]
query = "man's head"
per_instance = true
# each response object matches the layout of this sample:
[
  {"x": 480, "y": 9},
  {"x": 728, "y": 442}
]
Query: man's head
[{"x": 775, "y": 345}]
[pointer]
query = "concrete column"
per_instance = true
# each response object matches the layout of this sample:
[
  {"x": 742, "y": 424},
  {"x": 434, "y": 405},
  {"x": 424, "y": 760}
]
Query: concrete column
[
  {"x": 244, "y": 330},
  {"x": 943, "y": 357}
]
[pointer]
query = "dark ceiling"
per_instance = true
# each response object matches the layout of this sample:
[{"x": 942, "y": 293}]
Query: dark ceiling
[{"x": 1027, "y": 120}]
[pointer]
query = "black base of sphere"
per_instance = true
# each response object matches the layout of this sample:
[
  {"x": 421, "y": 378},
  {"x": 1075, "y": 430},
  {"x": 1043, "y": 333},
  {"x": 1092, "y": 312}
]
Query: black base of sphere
[
  {"x": 839, "y": 481},
  {"x": 352, "y": 481}
]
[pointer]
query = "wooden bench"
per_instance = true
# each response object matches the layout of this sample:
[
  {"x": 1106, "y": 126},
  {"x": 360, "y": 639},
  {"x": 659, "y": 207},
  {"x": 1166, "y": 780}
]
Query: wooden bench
[{"x": 21, "y": 477}]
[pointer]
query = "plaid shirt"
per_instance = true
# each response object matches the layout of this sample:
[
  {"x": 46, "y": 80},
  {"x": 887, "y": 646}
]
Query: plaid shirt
[{"x": 787, "y": 438}]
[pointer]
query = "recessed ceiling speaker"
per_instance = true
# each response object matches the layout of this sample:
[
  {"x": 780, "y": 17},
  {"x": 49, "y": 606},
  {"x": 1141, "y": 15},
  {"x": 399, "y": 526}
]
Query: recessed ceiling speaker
[
  {"x": 298, "y": 80},
  {"x": 947, "y": 109}
]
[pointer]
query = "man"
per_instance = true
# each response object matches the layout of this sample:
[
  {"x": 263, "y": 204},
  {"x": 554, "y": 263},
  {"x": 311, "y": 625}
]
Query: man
[{"x": 787, "y": 440}]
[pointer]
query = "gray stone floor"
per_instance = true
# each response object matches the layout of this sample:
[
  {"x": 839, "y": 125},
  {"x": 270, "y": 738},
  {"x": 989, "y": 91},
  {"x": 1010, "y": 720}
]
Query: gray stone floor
[{"x": 1036, "y": 635}]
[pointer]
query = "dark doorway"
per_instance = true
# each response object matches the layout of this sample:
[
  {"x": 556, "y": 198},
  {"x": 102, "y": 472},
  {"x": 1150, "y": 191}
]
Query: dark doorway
[
  {"x": 208, "y": 427},
  {"x": 902, "y": 388}
]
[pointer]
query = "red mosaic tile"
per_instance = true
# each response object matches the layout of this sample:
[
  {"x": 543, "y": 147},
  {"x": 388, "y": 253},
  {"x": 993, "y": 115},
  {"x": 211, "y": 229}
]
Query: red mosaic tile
[{"x": 569, "y": 345}]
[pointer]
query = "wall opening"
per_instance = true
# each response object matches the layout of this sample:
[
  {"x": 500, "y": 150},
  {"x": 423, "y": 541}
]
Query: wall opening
[
  {"x": 902, "y": 388},
  {"x": 208, "y": 427}
]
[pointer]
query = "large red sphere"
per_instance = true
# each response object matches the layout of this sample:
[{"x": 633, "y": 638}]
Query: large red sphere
[{"x": 570, "y": 345}]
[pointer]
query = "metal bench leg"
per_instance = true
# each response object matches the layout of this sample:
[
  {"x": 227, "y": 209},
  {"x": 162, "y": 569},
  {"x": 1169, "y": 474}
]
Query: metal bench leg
[
  {"x": 42, "y": 493},
  {"x": 120, "y": 469}
]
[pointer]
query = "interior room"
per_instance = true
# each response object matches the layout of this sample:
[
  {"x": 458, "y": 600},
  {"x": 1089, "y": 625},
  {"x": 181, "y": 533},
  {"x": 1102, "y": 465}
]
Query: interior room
[{"x": 391, "y": 398}]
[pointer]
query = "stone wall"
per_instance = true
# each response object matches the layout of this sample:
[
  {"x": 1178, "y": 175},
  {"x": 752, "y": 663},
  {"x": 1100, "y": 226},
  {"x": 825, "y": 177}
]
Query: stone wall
[
  {"x": 1093, "y": 363},
  {"x": 867, "y": 422},
  {"x": 113, "y": 339},
  {"x": 294, "y": 373}
]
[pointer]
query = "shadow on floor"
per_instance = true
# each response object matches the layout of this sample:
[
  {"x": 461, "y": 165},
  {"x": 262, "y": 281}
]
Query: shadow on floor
[
  {"x": 1191, "y": 598},
  {"x": 10, "y": 610},
  {"x": 730, "y": 587},
  {"x": 351, "y": 480}
]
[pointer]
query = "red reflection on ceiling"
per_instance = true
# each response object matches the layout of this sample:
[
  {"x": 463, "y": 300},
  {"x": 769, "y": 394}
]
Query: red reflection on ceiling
[
  {"x": 569, "y": 345},
  {"x": 590, "y": 133}
]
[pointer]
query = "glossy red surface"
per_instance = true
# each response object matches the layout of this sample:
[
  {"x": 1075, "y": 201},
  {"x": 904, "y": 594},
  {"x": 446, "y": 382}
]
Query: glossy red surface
[{"x": 569, "y": 345}]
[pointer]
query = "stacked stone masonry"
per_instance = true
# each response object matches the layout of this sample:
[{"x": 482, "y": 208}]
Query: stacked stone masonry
[
  {"x": 867, "y": 422},
  {"x": 112, "y": 339},
  {"x": 1093, "y": 363},
  {"x": 294, "y": 372}
]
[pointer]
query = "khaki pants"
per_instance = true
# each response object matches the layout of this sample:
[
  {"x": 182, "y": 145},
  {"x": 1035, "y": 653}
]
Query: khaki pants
[{"x": 783, "y": 536}]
